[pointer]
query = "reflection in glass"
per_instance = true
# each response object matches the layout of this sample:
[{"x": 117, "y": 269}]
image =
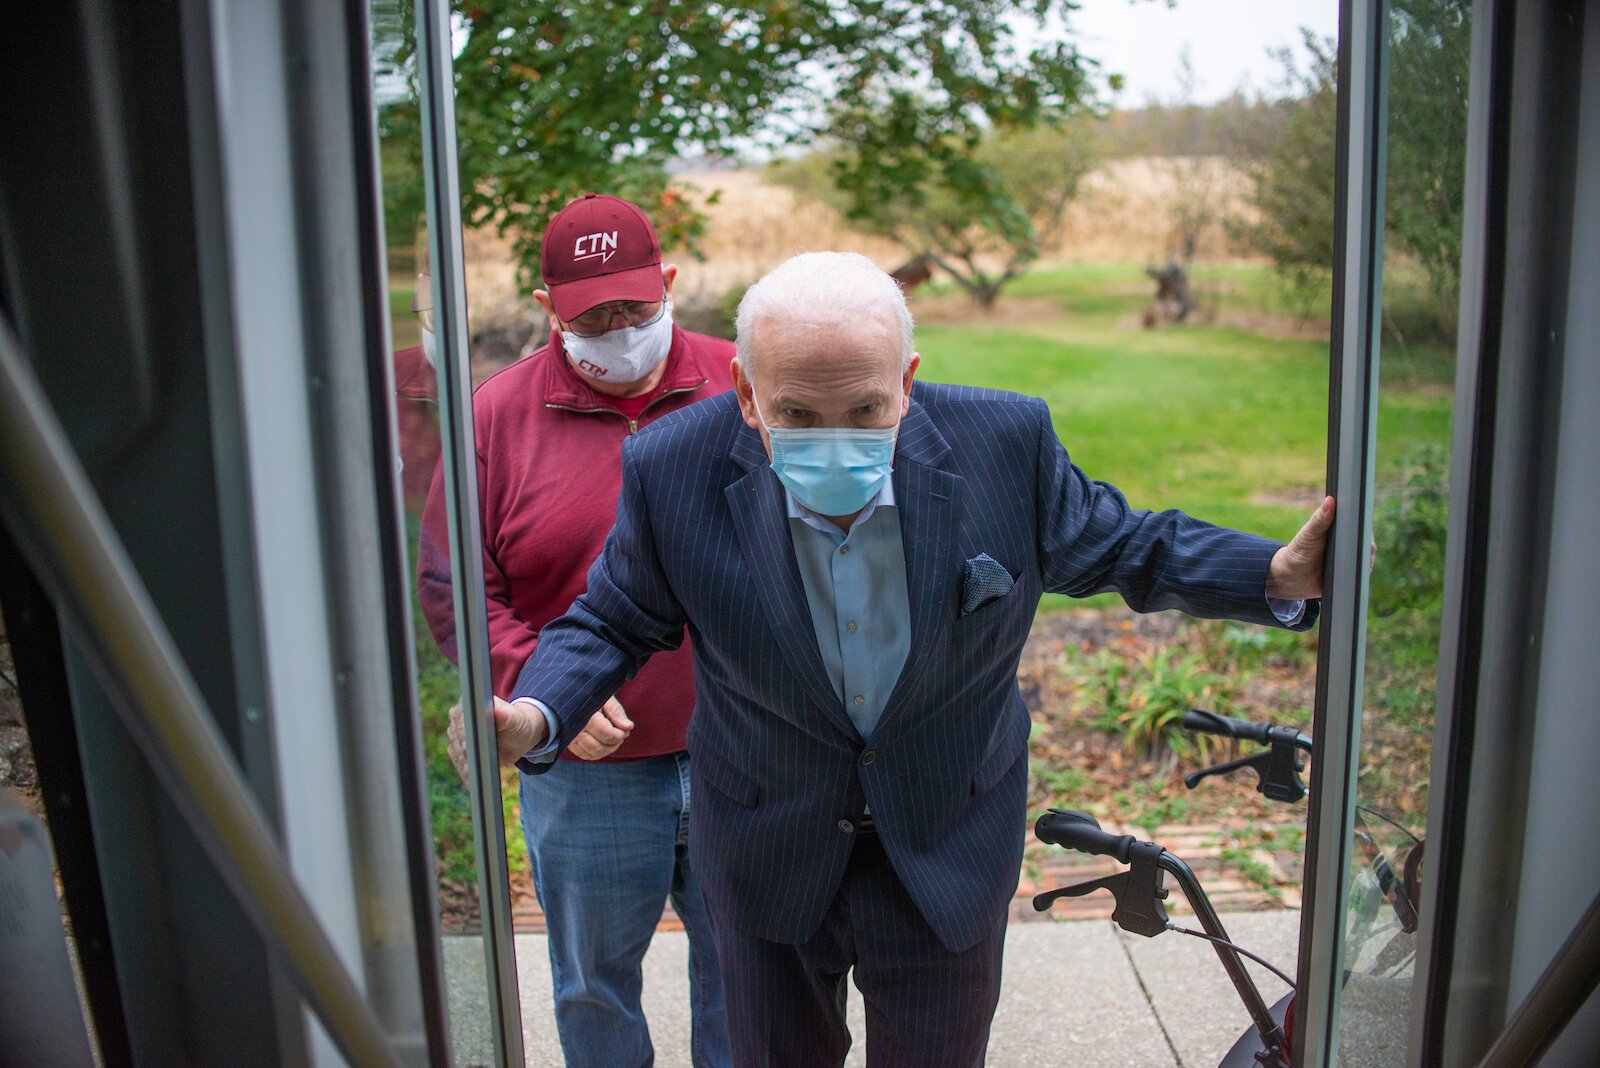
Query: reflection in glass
[
  {"x": 416, "y": 404},
  {"x": 1427, "y": 102}
]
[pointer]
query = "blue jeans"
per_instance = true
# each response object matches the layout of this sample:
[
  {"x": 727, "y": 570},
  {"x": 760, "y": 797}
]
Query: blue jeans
[{"x": 607, "y": 843}]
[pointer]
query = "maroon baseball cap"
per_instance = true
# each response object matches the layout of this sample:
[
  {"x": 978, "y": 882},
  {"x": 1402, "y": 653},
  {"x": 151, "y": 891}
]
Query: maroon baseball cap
[{"x": 598, "y": 249}]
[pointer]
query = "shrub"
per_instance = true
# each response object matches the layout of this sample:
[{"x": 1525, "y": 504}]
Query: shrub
[
  {"x": 1145, "y": 702},
  {"x": 1408, "y": 587}
]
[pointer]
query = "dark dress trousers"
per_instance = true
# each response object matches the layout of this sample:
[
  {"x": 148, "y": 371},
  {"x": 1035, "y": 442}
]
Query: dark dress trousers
[{"x": 782, "y": 778}]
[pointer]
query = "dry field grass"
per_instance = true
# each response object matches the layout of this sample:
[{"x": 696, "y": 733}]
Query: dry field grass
[
  {"x": 1125, "y": 209},
  {"x": 1123, "y": 214},
  {"x": 753, "y": 227},
  {"x": 491, "y": 277}
]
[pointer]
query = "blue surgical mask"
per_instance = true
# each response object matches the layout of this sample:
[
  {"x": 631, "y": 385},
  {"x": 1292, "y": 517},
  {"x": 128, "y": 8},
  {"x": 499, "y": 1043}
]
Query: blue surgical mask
[{"x": 831, "y": 470}]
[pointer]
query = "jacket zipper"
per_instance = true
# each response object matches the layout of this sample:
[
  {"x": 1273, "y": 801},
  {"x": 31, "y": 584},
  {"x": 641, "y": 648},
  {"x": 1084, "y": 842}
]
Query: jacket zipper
[{"x": 633, "y": 423}]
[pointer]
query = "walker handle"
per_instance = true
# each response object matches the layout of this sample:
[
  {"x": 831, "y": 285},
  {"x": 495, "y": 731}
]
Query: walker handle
[{"x": 1081, "y": 831}]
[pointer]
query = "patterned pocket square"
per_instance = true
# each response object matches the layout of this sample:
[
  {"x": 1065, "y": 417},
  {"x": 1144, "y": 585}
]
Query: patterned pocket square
[{"x": 983, "y": 579}]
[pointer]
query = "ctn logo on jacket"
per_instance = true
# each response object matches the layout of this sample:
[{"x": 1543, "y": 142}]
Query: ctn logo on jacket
[{"x": 590, "y": 246}]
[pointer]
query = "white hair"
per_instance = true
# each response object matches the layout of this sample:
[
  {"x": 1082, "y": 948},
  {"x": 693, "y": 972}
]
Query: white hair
[{"x": 822, "y": 288}]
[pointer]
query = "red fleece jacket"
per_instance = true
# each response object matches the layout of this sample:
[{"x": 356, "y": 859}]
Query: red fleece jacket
[{"x": 549, "y": 470}]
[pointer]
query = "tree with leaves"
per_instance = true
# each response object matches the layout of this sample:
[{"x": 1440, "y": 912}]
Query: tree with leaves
[
  {"x": 1183, "y": 140},
  {"x": 1429, "y": 67},
  {"x": 1429, "y": 61},
  {"x": 981, "y": 221},
  {"x": 1292, "y": 184},
  {"x": 555, "y": 99}
]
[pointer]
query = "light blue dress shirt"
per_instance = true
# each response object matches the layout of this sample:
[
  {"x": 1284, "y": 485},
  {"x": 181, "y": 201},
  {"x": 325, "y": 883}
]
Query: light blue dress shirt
[{"x": 856, "y": 588}]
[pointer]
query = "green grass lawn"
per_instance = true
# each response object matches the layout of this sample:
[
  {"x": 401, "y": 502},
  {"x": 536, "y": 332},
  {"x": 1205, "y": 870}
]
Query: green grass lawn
[
  {"x": 402, "y": 320},
  {"x": 1226, "y": 424},
  {"x": 1221, "y": 422},
  {"x": 1202, "y": 420}
]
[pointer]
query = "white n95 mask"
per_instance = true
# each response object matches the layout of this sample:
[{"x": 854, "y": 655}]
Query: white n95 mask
[{"x": 625, "y": 355}]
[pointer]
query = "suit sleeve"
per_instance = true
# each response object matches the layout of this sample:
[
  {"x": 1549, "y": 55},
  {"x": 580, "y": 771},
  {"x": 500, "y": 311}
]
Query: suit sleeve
[
  {"x": 627, "y": 613},
  {"x": 1091, "y": 541}
]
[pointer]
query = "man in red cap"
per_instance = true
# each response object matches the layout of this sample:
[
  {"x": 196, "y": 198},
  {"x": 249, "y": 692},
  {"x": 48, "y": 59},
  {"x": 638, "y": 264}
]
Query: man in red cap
[{"x": 606, "y": 827}]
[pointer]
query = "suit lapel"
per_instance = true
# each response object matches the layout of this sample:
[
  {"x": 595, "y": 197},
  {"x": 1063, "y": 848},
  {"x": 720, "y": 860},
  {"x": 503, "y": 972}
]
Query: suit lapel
[
  {"x": 929, "y": 499},
  {"x": 761, "y": 520}
]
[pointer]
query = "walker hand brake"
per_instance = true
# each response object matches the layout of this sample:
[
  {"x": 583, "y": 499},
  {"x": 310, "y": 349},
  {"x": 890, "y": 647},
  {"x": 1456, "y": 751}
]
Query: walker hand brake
[
  {"x": 1138, "y": 891},
  {"x": 1277, "y": 770}
]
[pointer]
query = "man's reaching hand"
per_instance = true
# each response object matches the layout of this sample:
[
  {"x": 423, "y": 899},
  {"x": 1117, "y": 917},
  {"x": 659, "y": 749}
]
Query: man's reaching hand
[
  {"x": 606, "y": 730},
  {"x": 1296, "y": 570},
  {"x": 518, "y": 729}
]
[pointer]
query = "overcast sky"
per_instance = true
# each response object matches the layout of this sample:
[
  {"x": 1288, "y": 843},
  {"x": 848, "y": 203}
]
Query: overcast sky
[{"x": 1227, "y": 40}]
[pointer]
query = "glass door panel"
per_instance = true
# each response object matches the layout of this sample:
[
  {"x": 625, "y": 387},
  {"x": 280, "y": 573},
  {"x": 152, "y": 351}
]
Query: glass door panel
[
  {"x": 426, "y": 326},
  {"x": 1403, "y": 154}
]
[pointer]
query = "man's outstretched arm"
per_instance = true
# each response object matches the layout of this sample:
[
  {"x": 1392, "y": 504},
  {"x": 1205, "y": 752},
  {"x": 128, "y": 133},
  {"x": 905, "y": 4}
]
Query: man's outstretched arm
[
  {"x": 1092, "y": 541},
  {"x": 627, "y": 613}
]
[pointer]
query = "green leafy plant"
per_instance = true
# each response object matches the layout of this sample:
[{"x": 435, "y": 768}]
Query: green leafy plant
[
  {"x": 1146, "y": 702},
  {"x": 553, "y": 99},
  {"x": 1409, "y": 524},
  {"x": 1292, "y": 185},
  {"x": 1061, "y": 785},
  {"x": 1169, "y": 809},
  {"x": 1429, "y": 65},
  {"x": 1100, "y": 679},
  {"x": 1407, "y": 590},
  {"x": 449, "y": 807},
  {"x": 1251, "y": 648}
]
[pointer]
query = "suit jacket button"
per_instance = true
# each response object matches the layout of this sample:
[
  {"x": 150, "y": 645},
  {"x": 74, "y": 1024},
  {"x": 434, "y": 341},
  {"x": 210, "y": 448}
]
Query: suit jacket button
[
  {"x": 868, "y": 757},
  {"x": 846, "y": 826}
]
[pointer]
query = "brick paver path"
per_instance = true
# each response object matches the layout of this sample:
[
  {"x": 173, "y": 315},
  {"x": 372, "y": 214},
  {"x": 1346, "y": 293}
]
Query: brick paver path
[{"x": 1199, "y": 845}]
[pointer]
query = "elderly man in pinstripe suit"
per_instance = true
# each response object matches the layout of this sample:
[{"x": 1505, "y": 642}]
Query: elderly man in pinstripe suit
[{"x": 858, "y": 562}]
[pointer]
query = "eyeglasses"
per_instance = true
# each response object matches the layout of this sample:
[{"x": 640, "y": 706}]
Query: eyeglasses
[{"x": 597, "y": 320}]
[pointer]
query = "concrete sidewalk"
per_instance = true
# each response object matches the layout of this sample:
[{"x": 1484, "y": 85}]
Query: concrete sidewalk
[{"x": 1078, "y": 993}]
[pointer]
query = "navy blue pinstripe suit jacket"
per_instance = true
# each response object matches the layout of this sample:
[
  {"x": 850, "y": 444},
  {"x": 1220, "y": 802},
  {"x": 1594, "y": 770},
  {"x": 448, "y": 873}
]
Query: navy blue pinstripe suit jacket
[{"x": 702, "y": 541}]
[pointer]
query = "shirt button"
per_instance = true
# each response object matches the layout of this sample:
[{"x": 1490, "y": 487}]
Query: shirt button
[
  {"x": 860, "y": 700},
  {"x": 844, "y": 550},
  {"x": 868, "y": 757},
  {"x": 846, "y": 826},
  {"x": 850, "y": 626}
]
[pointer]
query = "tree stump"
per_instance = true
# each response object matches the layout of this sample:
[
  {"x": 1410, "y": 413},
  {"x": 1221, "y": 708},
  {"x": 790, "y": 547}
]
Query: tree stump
[
  {"x": 914, "y": 272},
  {"x": 1172, "y": 303}
]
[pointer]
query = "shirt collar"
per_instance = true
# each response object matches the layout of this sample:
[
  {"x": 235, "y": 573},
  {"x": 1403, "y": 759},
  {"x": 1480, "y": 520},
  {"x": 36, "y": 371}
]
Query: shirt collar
[{"x": 885, "y": 498}]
